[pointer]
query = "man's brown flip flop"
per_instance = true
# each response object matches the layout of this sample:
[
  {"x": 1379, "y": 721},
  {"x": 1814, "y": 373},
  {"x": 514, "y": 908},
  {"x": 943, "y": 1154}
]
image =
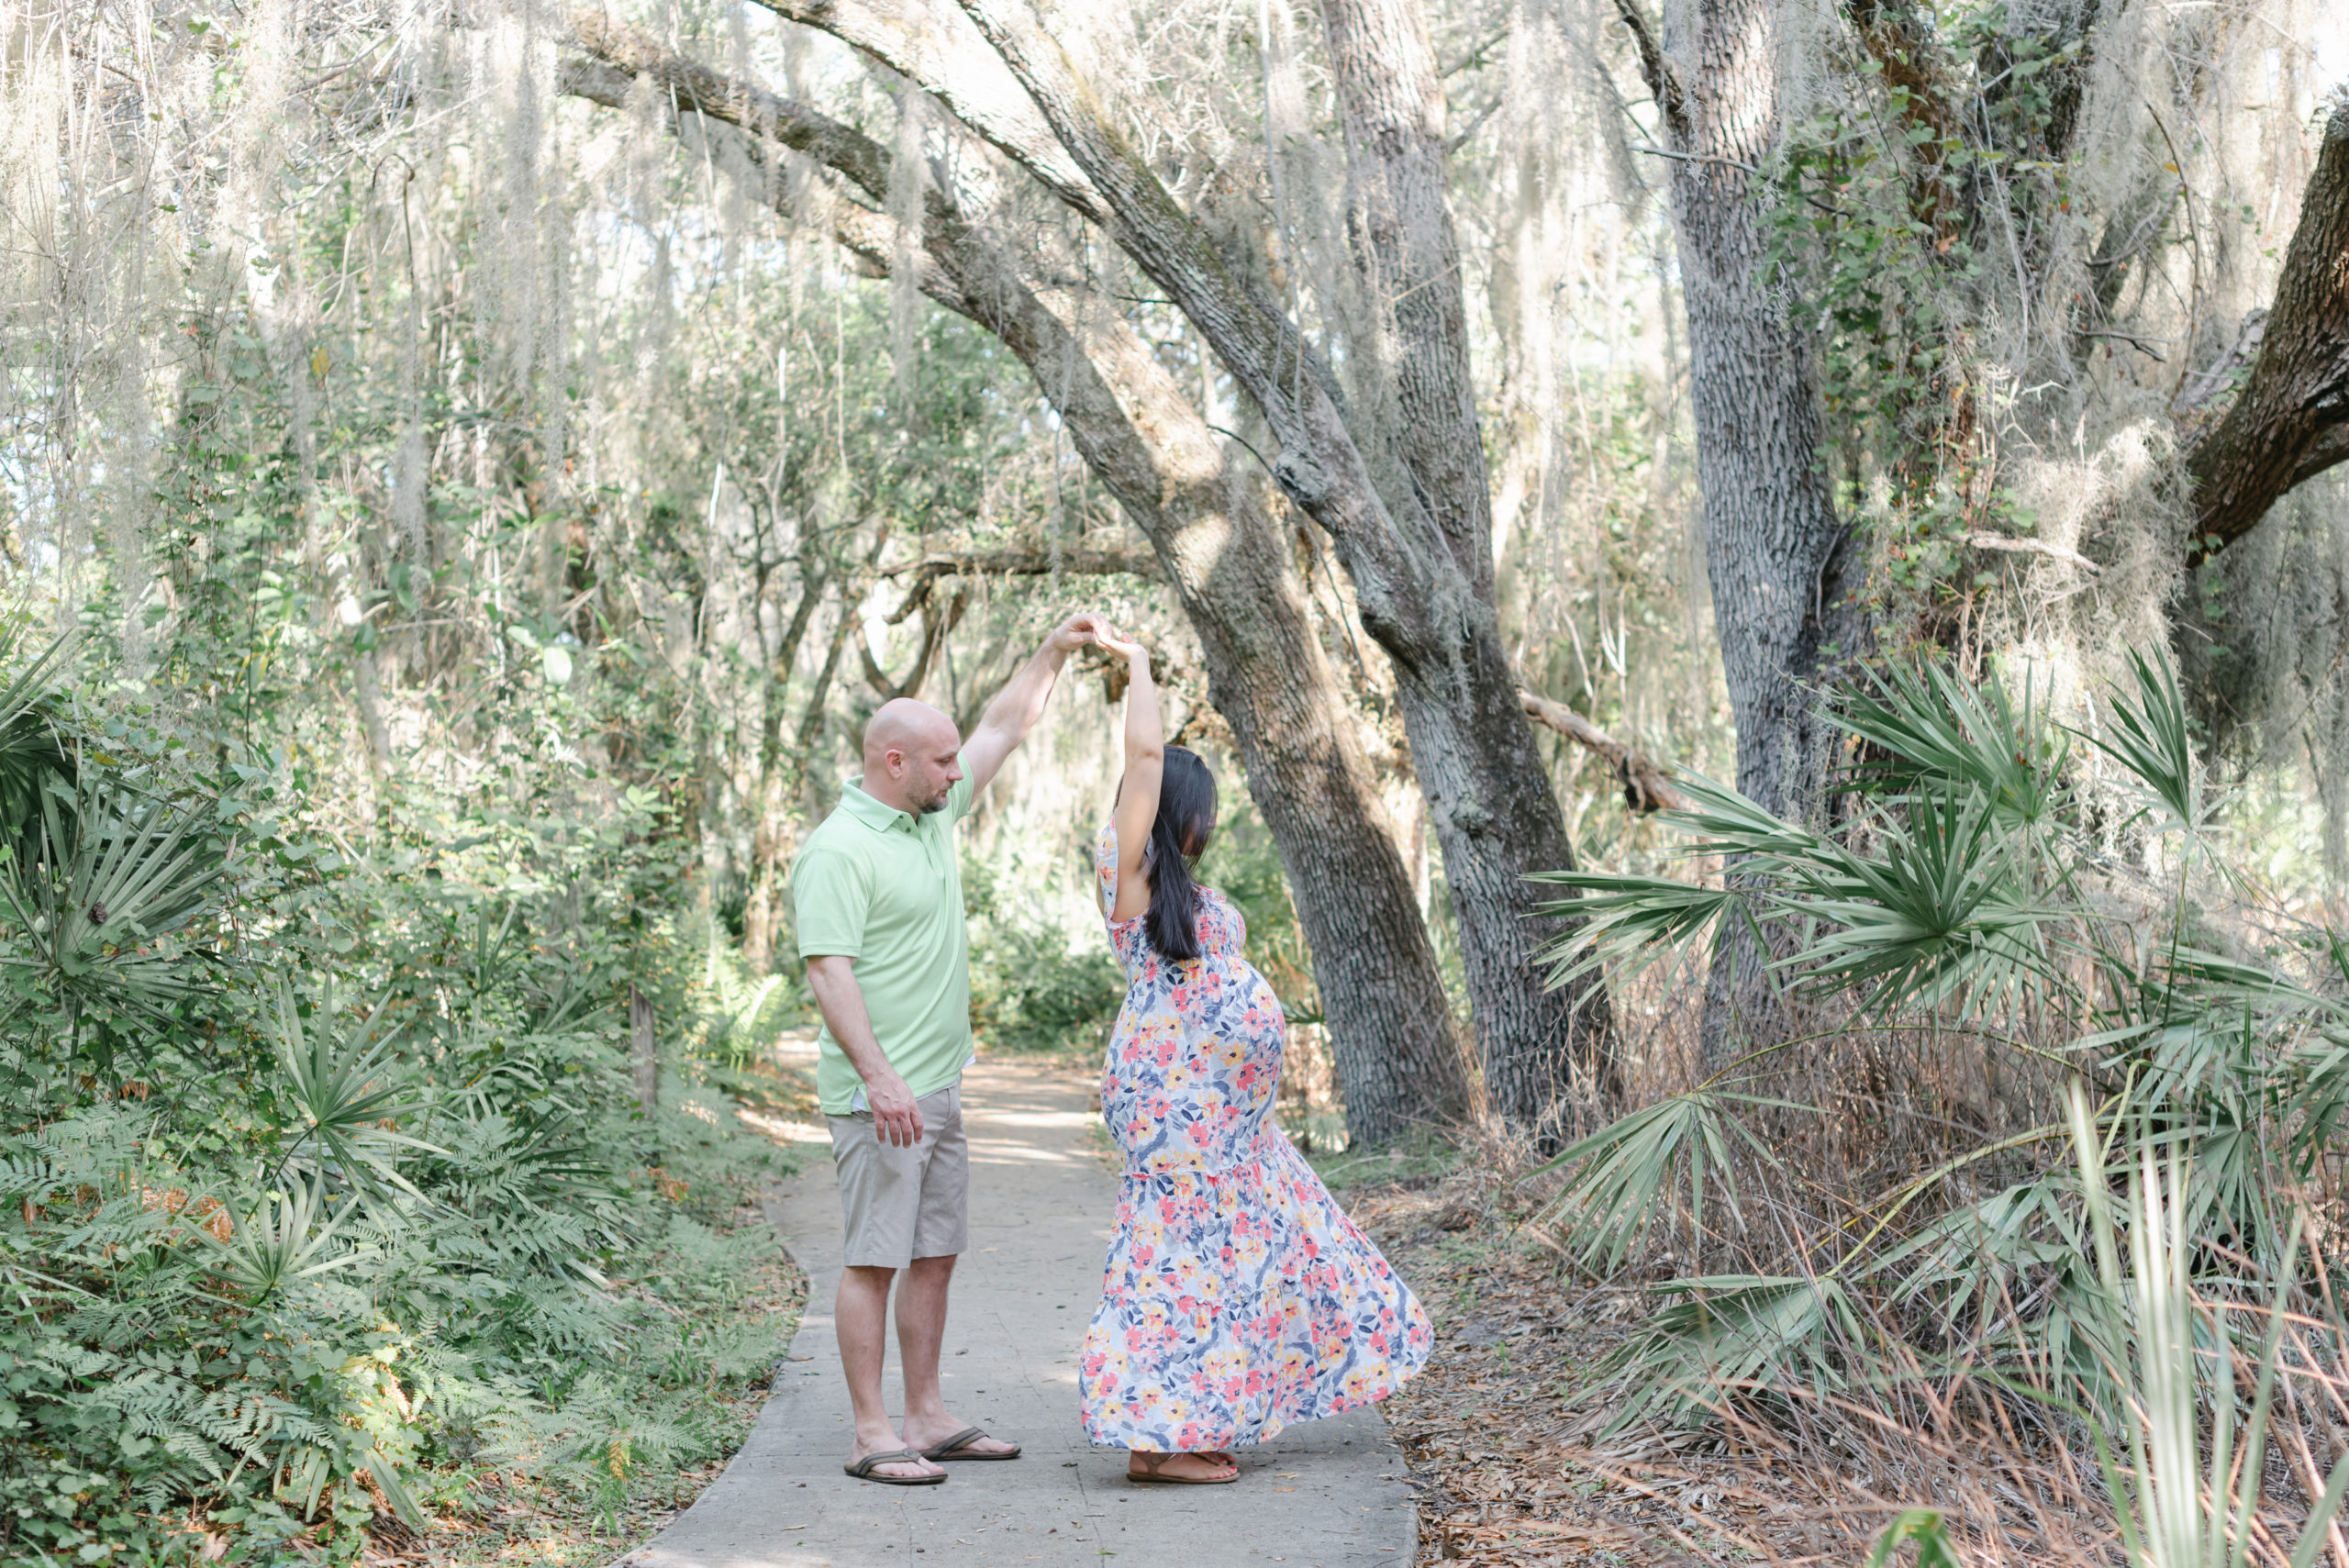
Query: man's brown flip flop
[
  {"x": 865, "y": 1469},
  {"x": 958, "y": 1447}
]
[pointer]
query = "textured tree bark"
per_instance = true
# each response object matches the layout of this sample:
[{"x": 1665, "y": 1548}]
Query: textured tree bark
[
  {"x": 1268, "y": 675},
  {"x": 1645, "y": 786},
  {"x": 1471, "y": 750},
  {"x": 1491, "y": 796},
  {"x": 1776, "y": 557},
  {"x": 1399, "y": 220},
  {"x": 2290, "y": 421},
  {"x": 643, "y": 1049},
  {"x": 1774, "y": 549}
]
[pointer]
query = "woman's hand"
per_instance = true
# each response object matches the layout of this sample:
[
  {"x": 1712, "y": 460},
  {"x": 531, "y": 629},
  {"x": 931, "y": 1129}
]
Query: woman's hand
[{"x": 1110, "y": 641}]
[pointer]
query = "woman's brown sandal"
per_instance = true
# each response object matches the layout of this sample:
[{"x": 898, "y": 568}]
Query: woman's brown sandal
[{"x": 1153, "y": 1470}]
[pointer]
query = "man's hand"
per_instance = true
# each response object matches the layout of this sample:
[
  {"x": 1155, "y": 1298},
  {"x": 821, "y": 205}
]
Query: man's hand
[
  {"x": 1118, "y": 645},
  {"x": 1077, "y": 631},
  {"x": 897, "y": 1114}
]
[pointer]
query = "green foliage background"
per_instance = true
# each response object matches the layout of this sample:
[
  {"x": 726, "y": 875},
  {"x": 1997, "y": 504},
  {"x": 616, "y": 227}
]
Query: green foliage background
[{"x": 326, "y": 1191}]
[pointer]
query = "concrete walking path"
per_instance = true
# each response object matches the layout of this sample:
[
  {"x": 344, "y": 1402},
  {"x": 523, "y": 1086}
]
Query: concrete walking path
[{"x": 1323, "y": 1494}]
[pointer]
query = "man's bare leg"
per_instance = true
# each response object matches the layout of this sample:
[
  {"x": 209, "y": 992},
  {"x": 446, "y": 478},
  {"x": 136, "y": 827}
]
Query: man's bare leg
[
  {"x": 861, "y": 1319},
  {"x": 921, "y": 1333}
]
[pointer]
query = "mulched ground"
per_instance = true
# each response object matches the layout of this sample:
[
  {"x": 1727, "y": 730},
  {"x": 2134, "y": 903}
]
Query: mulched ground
[{"x": 1503, "y": 1464}]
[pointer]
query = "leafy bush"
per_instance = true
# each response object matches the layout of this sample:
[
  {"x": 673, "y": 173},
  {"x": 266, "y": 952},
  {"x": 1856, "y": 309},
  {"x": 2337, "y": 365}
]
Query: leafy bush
[
  {"x": 1031, "y": 993},
  {"x": 2025, "y": 976},
  {"x": 322, "y": 1184}
]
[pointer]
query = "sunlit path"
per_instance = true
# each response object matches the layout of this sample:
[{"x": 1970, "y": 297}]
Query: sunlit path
[{"x": 1329, "y": 1494}]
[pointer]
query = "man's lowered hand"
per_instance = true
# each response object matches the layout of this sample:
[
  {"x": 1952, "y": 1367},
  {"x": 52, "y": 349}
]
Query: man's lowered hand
[{"x": 897, "y": 1114}]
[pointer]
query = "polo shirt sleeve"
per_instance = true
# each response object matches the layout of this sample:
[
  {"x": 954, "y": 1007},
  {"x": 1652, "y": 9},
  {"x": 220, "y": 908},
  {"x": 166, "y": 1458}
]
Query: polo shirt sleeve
[
  {"x": 960, "y": 799},
  {"x": 831, "y": 895}
]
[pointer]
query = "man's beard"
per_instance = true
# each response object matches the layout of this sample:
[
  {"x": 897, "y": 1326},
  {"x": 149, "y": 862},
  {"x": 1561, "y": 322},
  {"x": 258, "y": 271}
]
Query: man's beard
[{"x": 930, "y": 807}]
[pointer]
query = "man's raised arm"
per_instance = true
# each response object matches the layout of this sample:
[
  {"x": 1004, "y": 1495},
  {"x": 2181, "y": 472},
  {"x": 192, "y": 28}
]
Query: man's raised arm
[{"x": 1020, "y": 703}]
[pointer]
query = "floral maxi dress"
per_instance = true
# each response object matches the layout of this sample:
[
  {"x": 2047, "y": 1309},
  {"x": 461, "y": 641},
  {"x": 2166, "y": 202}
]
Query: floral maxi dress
[{"x": 1238, "y": 1296}]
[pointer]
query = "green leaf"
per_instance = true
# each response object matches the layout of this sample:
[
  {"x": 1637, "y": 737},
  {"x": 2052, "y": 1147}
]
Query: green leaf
[
  {"x": 2151, "y": 739},
  {"x": 1922, "y": 1526}
]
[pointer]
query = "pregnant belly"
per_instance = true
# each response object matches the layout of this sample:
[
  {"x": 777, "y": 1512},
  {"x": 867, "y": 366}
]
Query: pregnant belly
[{"x": 1190, "y": 1075}]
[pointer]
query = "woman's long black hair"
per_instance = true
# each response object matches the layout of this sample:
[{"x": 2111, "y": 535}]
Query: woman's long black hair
[{"x": 1185, "y": 821}]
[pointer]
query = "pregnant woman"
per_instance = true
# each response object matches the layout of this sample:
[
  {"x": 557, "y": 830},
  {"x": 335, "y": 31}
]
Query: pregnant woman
[{"x": 1238, "y": 1296}]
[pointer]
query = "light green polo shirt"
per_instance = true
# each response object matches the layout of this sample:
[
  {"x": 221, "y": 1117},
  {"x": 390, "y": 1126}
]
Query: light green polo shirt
[{"x": 881, "y": 885}]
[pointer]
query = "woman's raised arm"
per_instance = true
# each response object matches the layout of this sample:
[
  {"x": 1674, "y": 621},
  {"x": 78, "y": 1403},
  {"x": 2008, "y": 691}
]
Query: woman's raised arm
[{"x": 1145, "y": 766}]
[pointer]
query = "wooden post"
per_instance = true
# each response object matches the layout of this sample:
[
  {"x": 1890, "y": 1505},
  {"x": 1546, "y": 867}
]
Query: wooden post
[{"x": 644, "y": 1049}]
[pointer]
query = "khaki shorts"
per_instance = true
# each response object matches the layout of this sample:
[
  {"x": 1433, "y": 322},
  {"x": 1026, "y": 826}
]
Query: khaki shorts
[{"x": 901, "y": 1204}]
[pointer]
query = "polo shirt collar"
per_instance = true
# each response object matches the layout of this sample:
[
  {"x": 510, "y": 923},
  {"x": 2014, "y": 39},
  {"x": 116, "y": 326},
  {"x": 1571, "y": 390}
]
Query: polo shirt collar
[{"x": 873, "y": 813}]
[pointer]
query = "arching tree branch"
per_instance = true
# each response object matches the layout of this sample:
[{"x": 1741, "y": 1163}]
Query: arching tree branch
[
  {"x": 1024, "y": 562},
  {"x": 2290, "y": 421},
  {"x": 1215, "y": 543},
  {"x": 1645, "y": 785}
]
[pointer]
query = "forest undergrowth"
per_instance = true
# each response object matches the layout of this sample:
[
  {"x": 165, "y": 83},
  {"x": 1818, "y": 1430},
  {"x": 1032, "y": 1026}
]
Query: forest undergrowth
[
  {"x": 1994, "y": 1214},
  {"x": 346, "y": 1217},
  {"x": 1511, "y": 1467}
]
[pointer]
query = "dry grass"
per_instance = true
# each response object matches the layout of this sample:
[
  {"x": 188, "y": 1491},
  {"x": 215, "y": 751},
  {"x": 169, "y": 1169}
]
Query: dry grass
[{"x": 1502, "y": 1430}]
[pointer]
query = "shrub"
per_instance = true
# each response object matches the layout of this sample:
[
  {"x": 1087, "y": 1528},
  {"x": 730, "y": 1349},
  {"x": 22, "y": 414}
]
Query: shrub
[
  {"x": 2023, "y": 975},
  {"x": 321, "y": 1176}
]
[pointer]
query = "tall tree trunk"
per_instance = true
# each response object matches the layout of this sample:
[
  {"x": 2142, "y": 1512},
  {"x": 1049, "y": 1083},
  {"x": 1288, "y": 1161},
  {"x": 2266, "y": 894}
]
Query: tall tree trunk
[
  {"x": 1388, "y": 1019},
  {"x": 1774, "y": 552},
  {"x": 643, "y": 1048},
  {"x": 1495, "y": 810},
  {"x": 771, "y": 839},
  {"x": 1490, "y": 800},
  {"x": 369, "y": 690}
]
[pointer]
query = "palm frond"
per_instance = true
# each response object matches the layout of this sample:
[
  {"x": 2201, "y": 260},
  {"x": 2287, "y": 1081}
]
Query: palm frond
[
  {"x": 345, "y": 1088},
  {"x": 1937, "y": 732},
  {"x": 2151, "y": 739},
  {"x": 112, "y": 875},
  {"x": 1939, "y": 911},
  {"x": 1627, "y": 921},
  {"x": 1734, "y": 1332},
  {"x": 290, "y": 1235},
  {"x": 1628, "y": 1173}
]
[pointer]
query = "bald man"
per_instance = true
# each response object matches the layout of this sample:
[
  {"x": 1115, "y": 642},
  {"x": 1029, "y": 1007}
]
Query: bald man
[{"x": 879, "y": 903}]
